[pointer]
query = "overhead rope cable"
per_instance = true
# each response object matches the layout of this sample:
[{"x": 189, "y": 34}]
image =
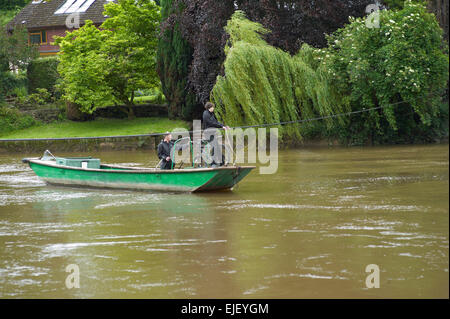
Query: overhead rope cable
[{"x": 319, "y": 118}]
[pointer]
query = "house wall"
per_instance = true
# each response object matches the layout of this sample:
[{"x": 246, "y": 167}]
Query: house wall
[{"x": 48, "y": 49}]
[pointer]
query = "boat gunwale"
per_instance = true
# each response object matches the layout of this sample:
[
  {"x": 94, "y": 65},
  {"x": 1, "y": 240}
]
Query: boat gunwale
[{"x": 135, "y": 170}]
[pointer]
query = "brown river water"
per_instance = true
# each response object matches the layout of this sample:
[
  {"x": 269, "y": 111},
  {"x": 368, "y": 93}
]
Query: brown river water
[{"x": 308, "y": 231}]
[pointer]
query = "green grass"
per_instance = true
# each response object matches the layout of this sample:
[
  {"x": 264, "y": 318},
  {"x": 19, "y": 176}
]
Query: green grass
[
  {"x": 149, "y": 99},
  {"x": 144, "y": 99},
  {"x": 100, "y": 127}
]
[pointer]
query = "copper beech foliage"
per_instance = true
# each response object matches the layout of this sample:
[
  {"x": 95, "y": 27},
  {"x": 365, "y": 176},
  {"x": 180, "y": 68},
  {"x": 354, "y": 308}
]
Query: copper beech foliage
[{"x": 291, "y": 23}]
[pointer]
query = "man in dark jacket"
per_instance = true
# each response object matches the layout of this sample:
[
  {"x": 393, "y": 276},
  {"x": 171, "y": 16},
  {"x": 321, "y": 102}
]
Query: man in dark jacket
[
  {"x": 164, "y": 151},
  {"x": 209, "y": 119},
  {"x": 210, "y": 122}
]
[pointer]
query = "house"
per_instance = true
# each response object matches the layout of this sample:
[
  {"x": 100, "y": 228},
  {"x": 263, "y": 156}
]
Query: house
[{"x": 46, "y": 19}]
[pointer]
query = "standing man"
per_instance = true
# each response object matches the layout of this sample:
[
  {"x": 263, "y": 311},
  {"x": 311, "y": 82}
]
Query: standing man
[
  {"x": 209, "y": 119},
  {"x": 210, "y": 122},
  {"x": 164, "y": 151}
]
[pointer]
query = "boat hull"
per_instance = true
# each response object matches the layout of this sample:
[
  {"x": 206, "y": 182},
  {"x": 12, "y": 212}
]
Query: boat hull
[{"x": 180, "y": 180}]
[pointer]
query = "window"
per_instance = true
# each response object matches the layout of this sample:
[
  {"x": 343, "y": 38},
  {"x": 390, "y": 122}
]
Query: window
[
  {"x": 71, "y": 6},
  {"x": 39, "y": 37}
]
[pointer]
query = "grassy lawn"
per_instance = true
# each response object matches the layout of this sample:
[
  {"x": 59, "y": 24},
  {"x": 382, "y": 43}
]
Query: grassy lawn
[
  {"x": 100, "y": 127},
  {"x": 147, "y": 99}
]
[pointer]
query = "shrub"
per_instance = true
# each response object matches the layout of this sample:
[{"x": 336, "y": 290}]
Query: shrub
[
  {"x": 41, "y": 97},
  {"x": 402, "y": 61},
  {"x": 43, "y": 73},
  {"x": 12, "y": 119},
  {"x": 20, "y": 91},
  {"x": 6, "y": 84},
  {"x": 11, "y": 83}
]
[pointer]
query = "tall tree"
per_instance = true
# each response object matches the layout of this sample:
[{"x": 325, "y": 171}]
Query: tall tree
[
  {"x": 400, "y": 66},
  {"x": 294, "y": 22},
  {"x": 174, "y": 58},
  {"x": 111, "y": 63},
  {"x": 291, "y": 22},
  {"x": 15, "y": 51},
  {"x": 12, "y": 4},
  {"x": 263, "y": 84},
  {"x": 203, "y": 25}
]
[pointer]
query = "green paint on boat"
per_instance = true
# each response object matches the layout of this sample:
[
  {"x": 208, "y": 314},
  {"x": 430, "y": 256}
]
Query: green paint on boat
[{"x": 74, "y": 173}]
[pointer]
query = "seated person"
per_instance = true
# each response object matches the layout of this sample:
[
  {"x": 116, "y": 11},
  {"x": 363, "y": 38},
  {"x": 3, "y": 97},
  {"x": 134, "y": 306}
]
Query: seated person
[{"x": 164, "y": 151}]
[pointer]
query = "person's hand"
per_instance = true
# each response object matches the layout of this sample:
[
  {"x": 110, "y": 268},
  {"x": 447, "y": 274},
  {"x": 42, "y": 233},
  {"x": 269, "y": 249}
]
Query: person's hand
[
  {"x": 167, "y": 158},
  {"x": 226, "y": 127}
]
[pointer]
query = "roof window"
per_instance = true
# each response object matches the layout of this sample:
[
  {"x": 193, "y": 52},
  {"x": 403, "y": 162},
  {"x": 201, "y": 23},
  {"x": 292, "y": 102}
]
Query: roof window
[{"x": 72, "y": 6}]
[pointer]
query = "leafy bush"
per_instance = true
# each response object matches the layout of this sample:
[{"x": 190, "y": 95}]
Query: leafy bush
[
  {"x": 7, "y": 80},
  {"x": 15, "y": 52},
  {"x": 41, "y": 97},
  {"x": 398, "y": 4},
  {"x": 11, "y": 120},
  {"x": 20, "y": 91},
  {"x": 11, "y": 83},
  {"x": 400, "y": 66},
  {"x": 43, "y": 73}
]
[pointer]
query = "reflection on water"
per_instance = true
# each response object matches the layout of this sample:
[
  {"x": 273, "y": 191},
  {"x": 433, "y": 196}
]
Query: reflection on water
[{"x": 307, "y": 232}]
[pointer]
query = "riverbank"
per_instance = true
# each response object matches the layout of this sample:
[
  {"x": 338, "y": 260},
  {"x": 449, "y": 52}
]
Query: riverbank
[
  {"x": 124, "y": 143},
  {"x": 119, "y": 134},
  {"x": 98, "y": 135}
]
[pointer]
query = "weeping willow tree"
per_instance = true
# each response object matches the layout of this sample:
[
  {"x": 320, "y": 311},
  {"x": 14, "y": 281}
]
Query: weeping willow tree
[{"x": 263, "y": 84}]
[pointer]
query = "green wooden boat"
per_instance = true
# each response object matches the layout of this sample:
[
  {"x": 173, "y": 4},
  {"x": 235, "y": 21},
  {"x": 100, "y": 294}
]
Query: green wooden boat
[{"x": 89, "y": 172}]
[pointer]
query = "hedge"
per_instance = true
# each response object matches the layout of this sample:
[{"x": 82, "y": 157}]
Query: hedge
[{"x": 42, "y": 73}]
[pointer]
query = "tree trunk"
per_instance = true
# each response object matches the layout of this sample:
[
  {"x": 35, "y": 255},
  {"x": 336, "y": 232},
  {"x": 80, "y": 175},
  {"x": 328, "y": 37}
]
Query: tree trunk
[
  {"x": 73, "y": 113},
  {"x": 131, "y": 114},
  {"x": 128, "y": 110},
  {"x": 440, "y": 9},
  {"x": 130, "y": 104}
]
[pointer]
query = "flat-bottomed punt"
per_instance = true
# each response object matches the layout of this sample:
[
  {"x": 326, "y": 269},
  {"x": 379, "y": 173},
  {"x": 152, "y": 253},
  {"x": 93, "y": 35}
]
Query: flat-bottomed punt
[{"x": 89, "y": 172}]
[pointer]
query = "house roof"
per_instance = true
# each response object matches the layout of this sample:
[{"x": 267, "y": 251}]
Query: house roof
[{"x": 41, "y": 15}]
